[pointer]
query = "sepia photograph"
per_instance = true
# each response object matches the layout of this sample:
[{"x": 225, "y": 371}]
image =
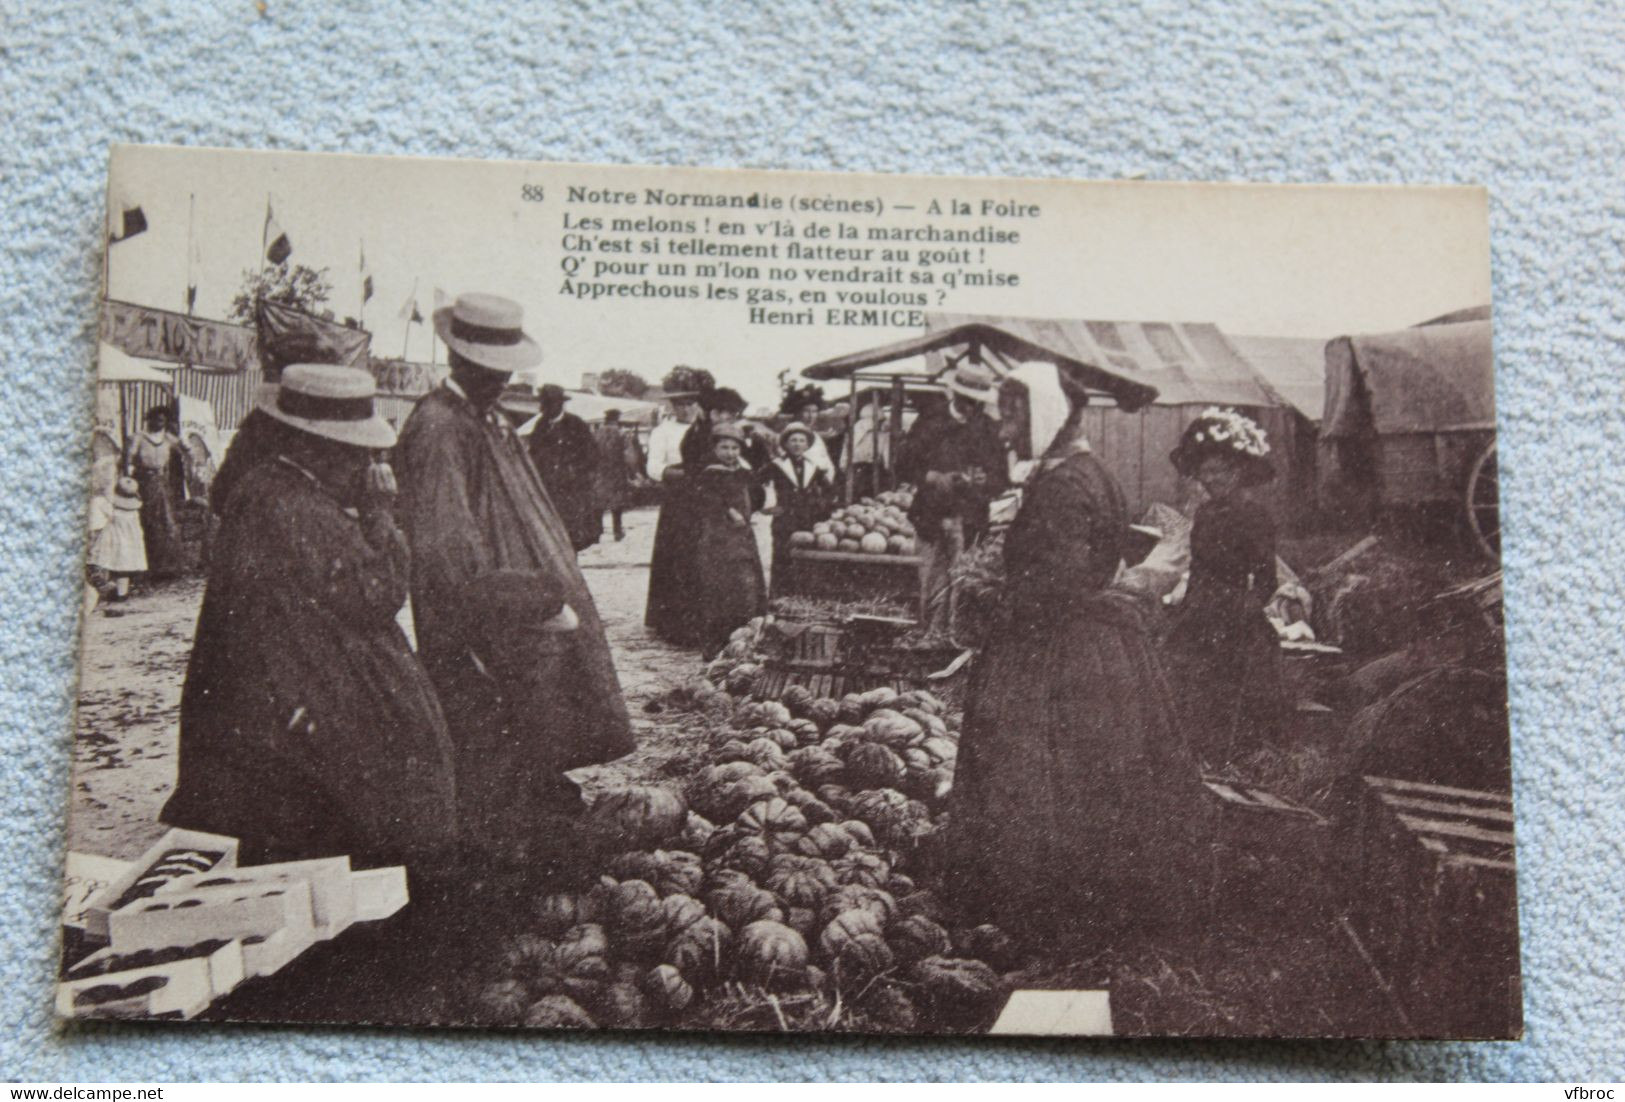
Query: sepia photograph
[{"x": 549, "y": 596}]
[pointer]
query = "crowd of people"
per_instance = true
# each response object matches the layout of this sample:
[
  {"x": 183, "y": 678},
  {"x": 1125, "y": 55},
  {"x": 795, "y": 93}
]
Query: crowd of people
[{"x": 310, "y": 725}]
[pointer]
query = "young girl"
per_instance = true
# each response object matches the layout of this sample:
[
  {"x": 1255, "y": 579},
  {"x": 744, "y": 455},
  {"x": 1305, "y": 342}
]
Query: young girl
[
  {"x": 116, "y": 544},
  {"x": 801, "y": 494},
  {"x": 728, "y": 585}
]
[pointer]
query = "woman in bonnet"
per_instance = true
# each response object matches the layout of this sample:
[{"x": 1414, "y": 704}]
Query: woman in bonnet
[
  {"x": 1070, "y": 818},
  {"x": 1222, "y": 647}
]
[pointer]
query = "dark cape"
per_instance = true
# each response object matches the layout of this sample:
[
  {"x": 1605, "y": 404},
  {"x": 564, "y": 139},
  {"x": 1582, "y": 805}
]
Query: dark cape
[
  {"x": 308, "y": 727},
  {"x": 491, "y": 561},
  {"x": 567, "y": 458},
  {"x": 955, "y": 447},
  {"x": 1073, "y": 809},
  {"x": 672, "y": 611},
  {"x": 1223, "y": 649},
  {"x": 727, "y": 581}
]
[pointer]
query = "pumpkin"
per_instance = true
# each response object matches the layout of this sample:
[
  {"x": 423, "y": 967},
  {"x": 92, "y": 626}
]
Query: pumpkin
[
  {"x": 900, "y": 545},
  {"x": 821, "y": 527},
  {"x": 813, "y": 765},
  {"x": 993, "y": 945},
  {"x": 741, "y": 904},
  {"x": 721, "y": 792},
  {"x": 898, "y": 885},
  {"x": 873, "y": 766},
  {"x": 558, "y": 911},
  {"x": 825, "y": 840},
  {"x": 940, "y": 749},
  {"x": 853, "y": 709},
  {"x": 861, "y": 834},
  {"x": 806, "y": 732},
  {"x": 731, "y": 750},
  {"x": 889, "y": 1006},
  {"x": 896, "y": 819},
  {"x": 925, "y": 903},
  {"x": 558, "y": 1012},
  {"x": 854, "y": 945},
  {"x": 700, "y": 952},
  {"x": 631, "y": 907},
  {"x": 784, "y": 739},
  {"x": 858, "y": 897},
  {"x": 678, "y": 912},
  {"x": 796, "y": 698},
  {"x": 891, "y": 728},
  {"x": 503, "y": 1002},
  {"x": 581, "y": 943},
  {"x": 742, "y": 678},
  {"x": 775, "y": 820},
  {"x": 642, "y": 816},
  {"x": 921, "y": 699},
  {"x": 863, "y": 867},
  {"x": 529, "y": 953},
  {"x": 718, "y": 877},
  {"x": 843, "y": 734},
  {"x": 823, "y": 711},
  {"x": 749, "y": 854},
  {"x": 799, "y": 881},
  {"x": 931, "y": 724},
  {"x": 835, "y": 795},
  {"x": 773, "y": 713},
  {"x": 826, "y": 541},
  {"x": 849, "y": 546},
  {"x": 666, "y": 989},
  {"x": 803, "y": 920},
  {"x": 696, "y": 831},
  {"x": 958, "y": 987},
  {"x": 883, "y": 696},
  {"x": 801, "y": 539},
  {"x": 622, "y": 1006},
  {"x": 765, "y": 753},
  {"x": 937, "y": 783},
  {"x": 916, "y": 937},
  {"x": 812, "y": 809},
  {"x": 874, "y": 543},
  {"x": 771, "y": 953}
]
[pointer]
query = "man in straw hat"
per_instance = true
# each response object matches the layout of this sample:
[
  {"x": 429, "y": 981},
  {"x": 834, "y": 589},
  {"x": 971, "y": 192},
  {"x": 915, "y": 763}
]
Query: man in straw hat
[
  {"x": 505, "y": 623},
  {"x": 308, "y": 726}
]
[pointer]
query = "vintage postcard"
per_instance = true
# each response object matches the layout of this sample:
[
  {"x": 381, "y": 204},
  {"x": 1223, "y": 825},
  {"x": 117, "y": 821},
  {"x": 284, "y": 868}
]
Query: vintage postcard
[{"x": 563, "y": 597}]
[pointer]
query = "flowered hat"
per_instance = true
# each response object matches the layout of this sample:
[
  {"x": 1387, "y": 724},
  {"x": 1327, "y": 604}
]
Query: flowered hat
[
  {"x": 1224, "y": 432},
  {"x": 126, "y": 494}
]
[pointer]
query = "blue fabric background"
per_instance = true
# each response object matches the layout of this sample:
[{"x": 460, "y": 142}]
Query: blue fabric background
[{"x": 1523, "y": 98}]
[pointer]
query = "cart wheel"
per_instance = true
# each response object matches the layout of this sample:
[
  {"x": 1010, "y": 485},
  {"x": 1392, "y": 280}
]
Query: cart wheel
[{"x": 1484, "y": 503}]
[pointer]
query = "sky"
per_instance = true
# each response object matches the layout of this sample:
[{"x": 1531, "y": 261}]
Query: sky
[{"x": 1256, "y": 260}]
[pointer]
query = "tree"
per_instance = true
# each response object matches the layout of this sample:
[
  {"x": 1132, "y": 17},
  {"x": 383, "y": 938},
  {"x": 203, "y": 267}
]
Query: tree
[
  {"x": 298, "y": 286},
  {"x": 687, "y": 380},
  {"x": 618, "y": 382}
]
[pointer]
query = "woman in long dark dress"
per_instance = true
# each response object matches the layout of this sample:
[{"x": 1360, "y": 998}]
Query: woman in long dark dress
[
  {"x": 154, "y": 460},
  {"x": 802, "y": 493},
  {"x": 1073, "y": 812},
  {"x": 727, "y": 577},
  {"x": 1222, "y": 648}
]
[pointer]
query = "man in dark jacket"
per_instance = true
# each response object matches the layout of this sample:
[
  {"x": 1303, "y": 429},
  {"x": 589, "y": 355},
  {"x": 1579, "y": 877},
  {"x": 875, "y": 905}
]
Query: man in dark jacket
[{"x": 567, "y": 458}]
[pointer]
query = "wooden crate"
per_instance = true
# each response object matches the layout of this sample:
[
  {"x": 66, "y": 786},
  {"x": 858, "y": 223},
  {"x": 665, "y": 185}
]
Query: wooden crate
[
  {"x": 844, "y": 575},
  {"x": 1271, "y": 859},
  {"x": 1437, "y": 904}
]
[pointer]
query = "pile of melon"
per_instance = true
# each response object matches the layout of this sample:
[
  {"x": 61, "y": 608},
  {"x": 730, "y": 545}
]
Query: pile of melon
[{"x": 872, "y": 526}]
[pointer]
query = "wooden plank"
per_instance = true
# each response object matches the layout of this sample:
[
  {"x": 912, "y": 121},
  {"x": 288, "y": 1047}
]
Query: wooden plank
[
  {"x": 1474, "y": 861},
  {"x": 1270, "y": 799},
  {"x": 1438, "y": 789},
  {"x": 1456, "y": 830},
  {"x": 910, "y": 561},
  {"x": 1463, "y": 811}
]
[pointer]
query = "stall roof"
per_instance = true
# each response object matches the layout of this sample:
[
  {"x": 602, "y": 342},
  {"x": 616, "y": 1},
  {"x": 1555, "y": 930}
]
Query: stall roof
[
  {"x": 1294, "y": 366},
  {"x": 1003, "y": 343},
  {"x": 588, "y": 406},
  {"x": 114, "y": 365},
  {"x": 1437, "y": 377},
  {"x": 1186, "y": 363}
]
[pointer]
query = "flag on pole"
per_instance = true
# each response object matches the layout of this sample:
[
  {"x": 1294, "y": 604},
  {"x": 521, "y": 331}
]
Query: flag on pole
[
  {"x": 131, "y": 220},
  {"x": 194, "y": 260},
  {"x": 366, "y": 277},
  {"x": 277, "y": 248},
  {"x": 409, "y": 309}
]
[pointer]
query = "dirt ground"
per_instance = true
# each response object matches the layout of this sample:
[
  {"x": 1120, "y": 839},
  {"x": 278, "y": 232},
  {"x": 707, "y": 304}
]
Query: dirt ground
[{"x": 135, "y": 655}]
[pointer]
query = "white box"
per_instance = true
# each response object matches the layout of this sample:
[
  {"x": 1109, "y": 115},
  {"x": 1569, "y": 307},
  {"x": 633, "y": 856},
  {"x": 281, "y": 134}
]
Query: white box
[
  {"x": 268, "y": 954},
  {"x": 379, "y": 893},
  {"x": 332, "y": 892},
  {"x": 231, "y": 911},
  {"x": 121, "y": 891},
  {"x": 188, "y": 987},
  {"x": 225, "y": 962}
]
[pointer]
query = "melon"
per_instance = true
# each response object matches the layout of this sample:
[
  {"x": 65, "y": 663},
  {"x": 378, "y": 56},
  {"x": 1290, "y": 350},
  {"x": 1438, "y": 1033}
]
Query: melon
[
  {"x": 849, "y": 545},
  {"x": 826, "y": 541},
  {"x": 874, "y": 544},
  {"x": 801, "y": 539}
]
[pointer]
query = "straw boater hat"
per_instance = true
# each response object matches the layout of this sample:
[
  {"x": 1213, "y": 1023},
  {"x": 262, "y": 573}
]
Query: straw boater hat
[
  {"x": 486, "y": 330},
  {"x": 332, "y": 402},
  {"x": 976, "y": 382},
  {"x": 126, "y": 494},
  {"x": 795, "y": 427},
  {"x": 728, "y": 430}
]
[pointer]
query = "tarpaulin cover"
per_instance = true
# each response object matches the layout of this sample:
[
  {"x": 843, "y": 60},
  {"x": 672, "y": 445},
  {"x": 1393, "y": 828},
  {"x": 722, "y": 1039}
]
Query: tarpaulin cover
[{"x": 1434, "y": 378}]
